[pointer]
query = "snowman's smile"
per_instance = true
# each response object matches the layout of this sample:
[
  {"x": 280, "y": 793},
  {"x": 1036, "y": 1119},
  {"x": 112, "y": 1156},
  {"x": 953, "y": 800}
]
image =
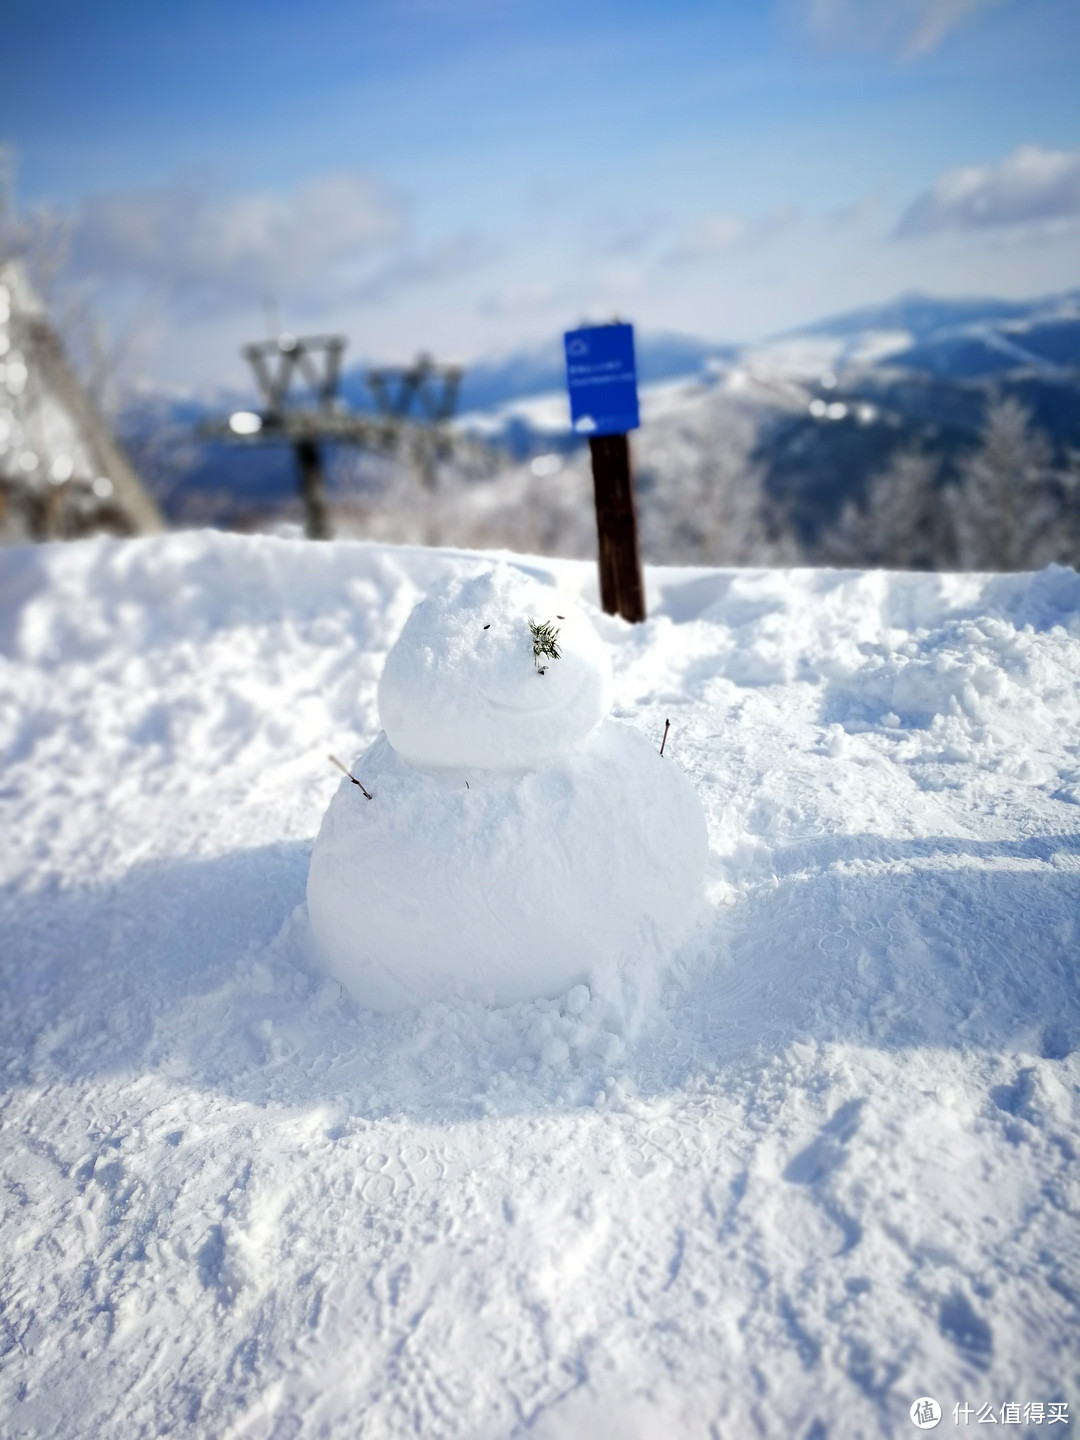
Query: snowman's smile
[{"x": 519, "y": 704}]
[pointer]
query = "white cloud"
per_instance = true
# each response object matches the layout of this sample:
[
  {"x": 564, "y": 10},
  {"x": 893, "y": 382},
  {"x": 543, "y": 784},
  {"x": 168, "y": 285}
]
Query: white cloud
[
  {"x": 533, "y": 298},
  {"x": 239, "y": 247},
  {"x": 712, "y": 236},
  {"x": 443, "y": 261},
  {"x": 908, "y": 27},
  {"x": 1030, "y": 185}
]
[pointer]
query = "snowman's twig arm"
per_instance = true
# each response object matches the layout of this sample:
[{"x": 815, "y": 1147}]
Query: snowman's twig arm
[
  {"x": 663, "y": 742},
  {"x": 335, "y": 761}
]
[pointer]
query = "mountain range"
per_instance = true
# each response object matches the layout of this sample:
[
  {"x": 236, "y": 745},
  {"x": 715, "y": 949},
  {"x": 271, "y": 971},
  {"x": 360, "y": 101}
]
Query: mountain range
[{"x": 832, "y": 400}]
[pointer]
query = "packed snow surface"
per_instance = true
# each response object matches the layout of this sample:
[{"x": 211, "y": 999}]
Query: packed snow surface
[
  {"x": 462, "y": 686},
  {"x": 826, "y": 1165}
]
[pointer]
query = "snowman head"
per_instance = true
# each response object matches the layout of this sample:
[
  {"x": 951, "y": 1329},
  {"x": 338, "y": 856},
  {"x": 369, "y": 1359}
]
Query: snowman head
[{"x": 465, "y": 686}]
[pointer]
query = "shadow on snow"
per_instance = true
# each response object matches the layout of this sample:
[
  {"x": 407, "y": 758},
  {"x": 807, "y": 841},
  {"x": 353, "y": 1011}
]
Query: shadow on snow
[{"x": 198, "y": 970}]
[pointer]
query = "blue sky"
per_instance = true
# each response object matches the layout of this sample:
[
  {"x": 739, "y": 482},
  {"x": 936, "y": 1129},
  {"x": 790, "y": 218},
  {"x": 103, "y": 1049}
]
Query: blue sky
[{"x": 475, "y": 175}]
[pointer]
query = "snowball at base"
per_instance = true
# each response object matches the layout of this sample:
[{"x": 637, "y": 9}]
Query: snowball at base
[
  {"x": 564, "y": 844},
  {"x": 516, "y": 887}
]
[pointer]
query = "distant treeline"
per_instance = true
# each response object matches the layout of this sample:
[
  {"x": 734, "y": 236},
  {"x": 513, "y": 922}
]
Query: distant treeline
[{"x": 1007, "y": 503}]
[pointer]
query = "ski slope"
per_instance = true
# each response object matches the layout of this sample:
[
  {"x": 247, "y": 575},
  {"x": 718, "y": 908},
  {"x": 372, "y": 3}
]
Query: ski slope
[{"x": 825, "y": 1164}]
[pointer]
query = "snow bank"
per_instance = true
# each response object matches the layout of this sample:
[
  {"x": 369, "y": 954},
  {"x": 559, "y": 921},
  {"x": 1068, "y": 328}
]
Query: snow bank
[{"x": 825, "y": 1165}]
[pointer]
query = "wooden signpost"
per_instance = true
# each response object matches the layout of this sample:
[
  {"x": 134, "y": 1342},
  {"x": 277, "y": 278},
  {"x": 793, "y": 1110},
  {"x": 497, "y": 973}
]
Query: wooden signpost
[{"x": 602, "y": 381}]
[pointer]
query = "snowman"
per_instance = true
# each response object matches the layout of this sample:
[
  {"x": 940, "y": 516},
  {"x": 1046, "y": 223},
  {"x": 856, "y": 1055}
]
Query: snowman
[{"x": 504, "y": 839}]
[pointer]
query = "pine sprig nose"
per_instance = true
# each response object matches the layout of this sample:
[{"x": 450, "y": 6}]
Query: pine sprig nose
[{"x": 544, "y": 638}]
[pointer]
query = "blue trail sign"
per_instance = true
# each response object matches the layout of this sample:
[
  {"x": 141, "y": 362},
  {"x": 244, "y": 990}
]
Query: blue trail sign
[{"x": 602, "y": 379}]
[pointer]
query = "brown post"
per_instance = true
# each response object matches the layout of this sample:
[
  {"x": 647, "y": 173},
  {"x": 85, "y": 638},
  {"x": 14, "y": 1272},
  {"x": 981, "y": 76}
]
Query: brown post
[
  {"x": 622, "y": 588},
  {"x": 312, "y": 491}
]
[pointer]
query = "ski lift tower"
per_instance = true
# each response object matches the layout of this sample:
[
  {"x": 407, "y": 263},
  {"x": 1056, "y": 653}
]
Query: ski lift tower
[
  {"x": 291, "y": 364},
  {"x": 433, "y": 390}
]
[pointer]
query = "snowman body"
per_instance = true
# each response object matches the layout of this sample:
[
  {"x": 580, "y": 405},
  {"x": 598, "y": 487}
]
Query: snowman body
[{"x": 517, "y": 839}]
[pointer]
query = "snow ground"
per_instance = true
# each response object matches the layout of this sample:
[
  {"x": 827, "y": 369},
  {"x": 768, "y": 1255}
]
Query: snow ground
[{"x": 827, "y": 1166}]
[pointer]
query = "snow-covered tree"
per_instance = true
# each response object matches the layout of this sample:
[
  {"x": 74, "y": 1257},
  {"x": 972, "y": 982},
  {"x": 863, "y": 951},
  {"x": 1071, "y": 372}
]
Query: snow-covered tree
[
  {"x": 1069, "y": 528},
  {"x": 900, "y": 524},
  {"x": 700, "y": 496},
  {"x": 701, "y": 493},
  {"x": 1003, "y": 509}
]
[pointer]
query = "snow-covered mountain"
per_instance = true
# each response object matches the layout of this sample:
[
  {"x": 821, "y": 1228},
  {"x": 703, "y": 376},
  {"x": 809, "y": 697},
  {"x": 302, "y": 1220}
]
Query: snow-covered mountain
[
  {"x": 952, "y": 340},
  {"x": 965, "y": 338},
  {"x": 829, "y": 403}
]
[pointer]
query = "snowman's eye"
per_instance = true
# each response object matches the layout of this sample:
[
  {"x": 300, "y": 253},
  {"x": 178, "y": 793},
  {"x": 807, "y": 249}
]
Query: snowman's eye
[{"x": 488, "y": 625}]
